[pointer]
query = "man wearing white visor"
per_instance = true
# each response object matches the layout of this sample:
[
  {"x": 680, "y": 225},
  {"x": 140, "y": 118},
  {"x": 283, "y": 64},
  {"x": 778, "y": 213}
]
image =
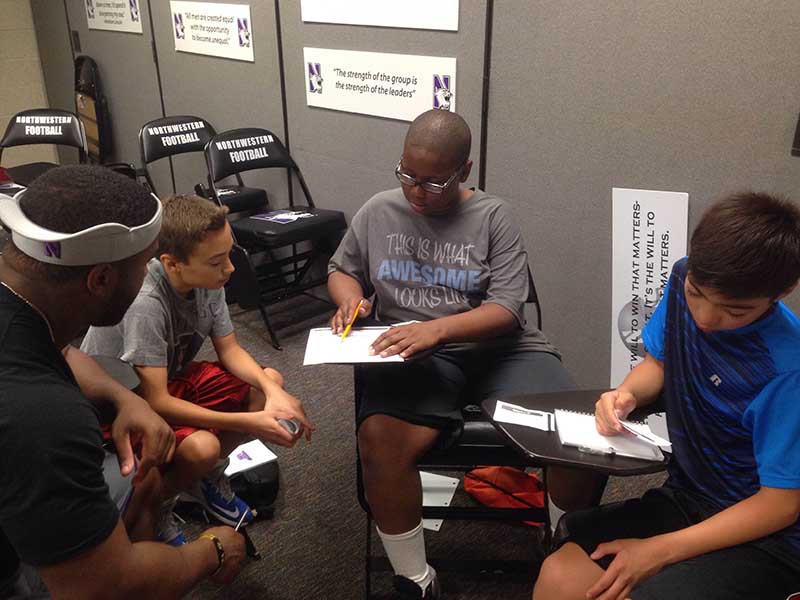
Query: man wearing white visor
[{"x": 80, "y": 241}]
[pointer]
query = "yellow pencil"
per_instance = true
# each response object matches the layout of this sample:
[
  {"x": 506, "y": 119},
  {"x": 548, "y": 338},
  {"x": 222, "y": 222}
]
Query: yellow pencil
[{"x": 352, "y": 319}]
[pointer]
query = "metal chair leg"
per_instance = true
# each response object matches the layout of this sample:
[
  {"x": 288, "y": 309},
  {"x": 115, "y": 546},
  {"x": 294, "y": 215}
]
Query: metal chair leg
[
  {"x": 368, "y": 561},
  {"x": 268, "y": 325},
  {"x": 547, "y": 538}
]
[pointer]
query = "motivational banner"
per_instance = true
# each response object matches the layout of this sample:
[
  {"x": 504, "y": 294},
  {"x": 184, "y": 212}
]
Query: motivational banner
[
  {"x": 397, "y": 86},
  {"x": 213, "y": 29},
  {"x": 410, "y": 14},
  {"x": 114, "y": 15},
  {"x": 649, "y": 234}
]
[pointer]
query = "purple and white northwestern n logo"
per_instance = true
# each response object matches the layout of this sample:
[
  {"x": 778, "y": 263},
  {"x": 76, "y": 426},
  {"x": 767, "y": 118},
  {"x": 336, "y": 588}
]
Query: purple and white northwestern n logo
[
  {"x": 52, "y": 249},
  {"x": 180, "y": 30},
  {"x": 244, "y": 32},
  {"x": 243, "y": 456},
  {"x": 441, "y": 92},
  {"x": 134, "y": 5},
  {"x": 314, "y": 78}
]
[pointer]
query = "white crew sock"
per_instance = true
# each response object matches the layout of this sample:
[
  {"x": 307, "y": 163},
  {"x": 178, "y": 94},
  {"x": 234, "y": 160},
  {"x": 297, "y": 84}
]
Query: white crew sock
[
  {"x": 555, "y": 513},
  {"x": 406, "y": 553}
]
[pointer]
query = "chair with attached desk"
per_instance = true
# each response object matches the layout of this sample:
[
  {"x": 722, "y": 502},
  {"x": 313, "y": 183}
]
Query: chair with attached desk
[
  {"x": 544, "y": 447},
  {"x": 42, "y": 126},
  {"x": 481, "y": 444},
  {"x": 281, "y": 246}
]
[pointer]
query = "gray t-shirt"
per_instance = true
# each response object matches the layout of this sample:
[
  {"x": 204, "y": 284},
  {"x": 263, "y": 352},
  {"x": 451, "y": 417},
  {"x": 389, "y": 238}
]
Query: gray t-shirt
[
  {"x": 163, "y": 328},
  {"x": 424, "y": 267}
]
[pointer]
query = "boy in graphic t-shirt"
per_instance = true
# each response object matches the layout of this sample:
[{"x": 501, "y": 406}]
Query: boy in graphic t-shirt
[
  {"x": 213, "y": 406},
  {"x": 452, "y": 259}
]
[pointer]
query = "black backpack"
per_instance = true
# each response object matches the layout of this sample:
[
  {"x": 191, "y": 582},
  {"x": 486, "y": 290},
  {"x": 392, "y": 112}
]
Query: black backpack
[{"x": 258, "y": 487}]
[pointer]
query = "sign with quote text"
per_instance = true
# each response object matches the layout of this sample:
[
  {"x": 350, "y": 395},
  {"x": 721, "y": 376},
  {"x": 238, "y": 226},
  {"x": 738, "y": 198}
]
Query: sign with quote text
[
  {"x": 397, "y": 86},
  {"x": 409, "y": 14},
  {"x": 114, "y": 15},
  {"x": 213, "y": 29},
  {"x": 649, "y": 234}
]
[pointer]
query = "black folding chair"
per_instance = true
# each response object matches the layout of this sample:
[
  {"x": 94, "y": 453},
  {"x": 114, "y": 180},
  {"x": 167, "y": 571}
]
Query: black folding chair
[
  {"x": 283, "y": 252},
  {"x": 42, "y": 126},
  {"x": 480, "y": 445},
  {"x": 183, "y": 134}
]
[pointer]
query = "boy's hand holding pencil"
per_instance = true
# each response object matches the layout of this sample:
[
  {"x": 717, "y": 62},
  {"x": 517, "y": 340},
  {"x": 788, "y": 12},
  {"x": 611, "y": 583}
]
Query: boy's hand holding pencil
[{"x": 348, "y": 313}]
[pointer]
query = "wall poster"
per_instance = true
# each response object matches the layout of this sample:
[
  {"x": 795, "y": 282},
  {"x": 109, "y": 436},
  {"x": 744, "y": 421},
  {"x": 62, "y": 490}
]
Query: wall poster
[
  {"x": 397, "y": 86},
  {"x": 114, "y": 15},
  {"x": 649, "y": 234},
  {"x": 213, "y": 29}
]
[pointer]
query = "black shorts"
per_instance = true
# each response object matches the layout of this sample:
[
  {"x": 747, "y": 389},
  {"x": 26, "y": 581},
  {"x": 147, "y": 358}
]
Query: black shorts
[
  {"x": 431, "y": 391},
  {"x": 766, "y": 569}
]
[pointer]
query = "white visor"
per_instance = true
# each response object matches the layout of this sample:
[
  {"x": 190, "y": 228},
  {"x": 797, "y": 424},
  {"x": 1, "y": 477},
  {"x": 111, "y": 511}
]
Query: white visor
[{"x": 104, "y": 243}]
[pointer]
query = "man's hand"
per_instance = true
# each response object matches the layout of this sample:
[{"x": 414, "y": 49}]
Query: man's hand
[
  {"x": 635, "y": 561},
  {"x": 610, "y": 408},
  {"x": 407, "y": 340},
  {"x": 345, "y": 312},
  {"x": 137, "y": 422},
  {"x": 233, "y": 544}
]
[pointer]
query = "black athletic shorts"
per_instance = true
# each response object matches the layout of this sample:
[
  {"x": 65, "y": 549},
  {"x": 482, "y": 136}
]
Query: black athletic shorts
[
  {"x": 766, "y": 569},
  {"x": 431, "y": 391}
]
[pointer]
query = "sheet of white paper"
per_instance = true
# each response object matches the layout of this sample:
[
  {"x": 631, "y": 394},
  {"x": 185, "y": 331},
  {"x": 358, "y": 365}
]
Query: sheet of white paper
[
  {"x": 247, "y": 456},
  {"x": 519, "y": 415},
  {"x": 437, "y": 490},
  {"x": 643, "y": 432},
  {"x": 658, "y": 425},
  {"x": 326, "y": 347}
]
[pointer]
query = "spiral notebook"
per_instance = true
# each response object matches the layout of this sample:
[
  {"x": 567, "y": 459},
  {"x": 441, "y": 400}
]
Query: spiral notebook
[{"x": 578, "y": 429}]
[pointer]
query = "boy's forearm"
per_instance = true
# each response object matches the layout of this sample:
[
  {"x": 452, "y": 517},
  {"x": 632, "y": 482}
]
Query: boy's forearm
[
  {"x": 486, "y": 321},
  {"x": 95, "y": 383},
  {"x": 645, "y": 381},
  {"x": 240, "y": 364},
  {"x": 766, "y": 512},
  {"x": 176, "y": 411},
  {"x": 342, "y": 287}
]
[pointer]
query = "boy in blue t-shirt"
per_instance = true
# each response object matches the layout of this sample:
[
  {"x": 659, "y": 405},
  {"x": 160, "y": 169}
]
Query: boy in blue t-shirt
[{"x": 724, "y": 354}]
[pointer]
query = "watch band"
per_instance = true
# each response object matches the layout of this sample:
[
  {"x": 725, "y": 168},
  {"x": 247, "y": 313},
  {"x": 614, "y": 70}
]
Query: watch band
[{"x": 220, "y": 551}]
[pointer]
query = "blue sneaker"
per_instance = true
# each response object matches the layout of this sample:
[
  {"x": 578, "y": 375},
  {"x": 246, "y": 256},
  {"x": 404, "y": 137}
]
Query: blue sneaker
[
  {"x": 167, "y": 529},
  {"x": 215, "y": 494}
]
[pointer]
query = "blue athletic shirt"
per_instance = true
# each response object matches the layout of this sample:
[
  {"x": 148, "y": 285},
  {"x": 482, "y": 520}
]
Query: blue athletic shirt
[{"x": 732, "y": 400}]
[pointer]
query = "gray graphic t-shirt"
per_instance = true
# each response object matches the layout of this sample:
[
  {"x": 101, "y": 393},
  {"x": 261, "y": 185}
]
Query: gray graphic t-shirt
[
  {"x": 162, "y": 328},
  {"x": 423, "y": 267}
]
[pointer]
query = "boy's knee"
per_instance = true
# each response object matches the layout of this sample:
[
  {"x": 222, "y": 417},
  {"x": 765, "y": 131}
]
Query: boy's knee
[
  {"x": 385, "y": 441},
  {"x": 371, "y": 438},
  {"x": 275, "y": 376},
  {"x": 201, "y": 449},
  {"x": 574, "y": 489},
  {"x": 556, "y": 573}
]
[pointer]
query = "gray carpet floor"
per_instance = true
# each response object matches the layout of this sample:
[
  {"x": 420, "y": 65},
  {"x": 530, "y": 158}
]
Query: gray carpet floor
[{"x": 314, "y": 545}]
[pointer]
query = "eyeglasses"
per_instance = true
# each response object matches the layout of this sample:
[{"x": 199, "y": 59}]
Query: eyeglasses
[{"x": 428, "y": 186}]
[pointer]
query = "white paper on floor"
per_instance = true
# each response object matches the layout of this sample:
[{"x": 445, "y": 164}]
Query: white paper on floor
[{"x": 437, "y": 490}]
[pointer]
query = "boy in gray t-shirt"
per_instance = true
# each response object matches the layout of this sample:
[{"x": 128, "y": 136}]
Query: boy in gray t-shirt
[
  {"x": 452, "y": 259},
  {"x": 212, "y": 406}
]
